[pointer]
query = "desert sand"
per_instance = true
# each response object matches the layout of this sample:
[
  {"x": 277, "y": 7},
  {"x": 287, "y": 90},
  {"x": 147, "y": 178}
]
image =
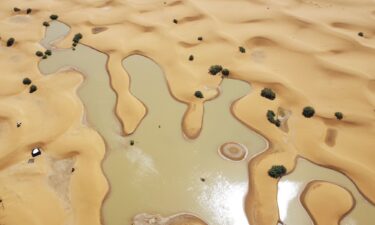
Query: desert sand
[{"x": 308, "y": 52}]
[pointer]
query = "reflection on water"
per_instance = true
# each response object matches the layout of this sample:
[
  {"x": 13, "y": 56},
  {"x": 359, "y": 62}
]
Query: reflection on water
[
  {"x": 163, "y": 172},
  {"x": 291, "y": 187}
]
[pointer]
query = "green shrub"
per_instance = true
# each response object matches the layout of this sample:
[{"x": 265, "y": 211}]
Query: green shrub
[
  {"x": 268, "y": 93},
  {"x": 10, "y": 42},
  {"x": 77, "y": 37},
  {"x": 53, "y": 17},
  {"x": 39, "y": 53},
  {"x": 28, "y": 11},
  {"x": 48, "y": 52},
  {"x": 308, "y": 112},
  {"x": 215, "y": 69},
  {"x": 46, "y": 24},
  {"x": 33, "y": 88},
  {"x": 191, "y": 57},
  {"x": 198, "y": 94},
  {"x": 26, "y": 81},
  {"x": 225, "y": 72},
  {"x": 339, "y": 115},
  {"x": 271, "y": 118},
  {"x": 277, "y": 171},
  {"x": 242, "y": 49}
]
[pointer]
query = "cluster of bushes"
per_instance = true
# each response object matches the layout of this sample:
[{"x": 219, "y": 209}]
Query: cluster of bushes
[
  {"x": 27, "y": 81},
  {"x": 28, "y": 10},
  {"x": 277, "y": 171},
  {"x": 268, "y": 93},
  {"x": 271, "y": 117},
  {"x": 215, "y": 69},
  {"x": 309, "y": 112},
  {"x": 43, "y": 55},
  {"x": 77, "y": 37}
]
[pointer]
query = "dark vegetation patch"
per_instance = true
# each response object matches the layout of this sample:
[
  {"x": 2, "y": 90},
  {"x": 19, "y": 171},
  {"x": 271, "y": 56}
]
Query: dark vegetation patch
[
  {"x": 339, "y": 115},
  {"x": 215, "y": 69},
  {"x": 242, "y": 49},
  {"x": 277, "y": 171},
  {"x": 33, "y": 88},
  {"x": 53, "y": 17},
  {"x": 308, "y": 112},
  {"x": 10, "y": 42},
  {"x": 26, "y": 81},
  {"x": 268, "y": 93},
  {"x": 198, "y": 94},
  {"x": 271, "y": 117}
]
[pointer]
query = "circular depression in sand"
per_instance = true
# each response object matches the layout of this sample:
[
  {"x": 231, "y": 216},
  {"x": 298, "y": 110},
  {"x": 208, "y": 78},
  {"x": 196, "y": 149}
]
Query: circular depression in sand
[{"x": 233, "y": 151}]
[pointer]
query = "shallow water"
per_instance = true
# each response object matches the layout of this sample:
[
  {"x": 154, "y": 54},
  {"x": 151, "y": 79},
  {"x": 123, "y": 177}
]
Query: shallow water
[
  {"x": 291, "y": 187},
  {"x": 163, "y": 172}
]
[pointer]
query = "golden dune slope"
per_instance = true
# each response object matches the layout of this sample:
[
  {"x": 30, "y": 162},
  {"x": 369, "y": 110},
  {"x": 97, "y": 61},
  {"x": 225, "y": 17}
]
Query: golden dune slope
[{"x": 307, "y": 51}]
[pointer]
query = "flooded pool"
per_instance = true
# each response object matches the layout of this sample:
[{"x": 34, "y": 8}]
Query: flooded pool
[
  {"x": 156, "y": 169},
  {"x": 291, "y": 187}
]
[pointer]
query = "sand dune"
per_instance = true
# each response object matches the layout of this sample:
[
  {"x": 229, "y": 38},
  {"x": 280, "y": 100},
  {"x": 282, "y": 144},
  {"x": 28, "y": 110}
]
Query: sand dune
[{"x": 308, "y": 52}]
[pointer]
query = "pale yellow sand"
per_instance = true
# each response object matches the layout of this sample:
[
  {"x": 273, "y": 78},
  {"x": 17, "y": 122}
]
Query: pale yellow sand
[
  {"x": 326, "y": 203},
  {"x": 308, "y": 52}
]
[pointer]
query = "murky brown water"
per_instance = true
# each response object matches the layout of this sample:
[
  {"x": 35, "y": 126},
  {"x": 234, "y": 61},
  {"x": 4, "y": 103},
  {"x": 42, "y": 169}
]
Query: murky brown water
[
  {"x": 162, "y": 172},
  {"x": 291, "y": 187}
]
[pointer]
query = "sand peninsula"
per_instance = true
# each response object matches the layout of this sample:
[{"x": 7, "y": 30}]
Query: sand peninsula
[{"x": 314, "y": 56}]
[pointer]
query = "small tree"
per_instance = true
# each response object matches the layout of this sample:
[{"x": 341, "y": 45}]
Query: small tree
[
  {"x": 339, "y": 115},
  {"x": 277, "y": 171},
  {"x": 28, "y": 11},
  {"x": 33, "y": 88},
  {"x": 191, "y": 57},
  {"x": 268, "y": 93},
  {"x": 242, "y": 49},
  {"x": 215, "y": 69},
  {"x": 48, "y": 52},
  {"x": 77, "y": 37},
  {"x": 10, "y": 42},
  {"x": 200, "y": 38},
  {"x": 308, "y": 112},
  {"x": 271, "y": 118},
  {"x": 360, "y": 34},
  {"x": 175, "y": 21},
  {"x": 26, "y": 81},
  {"x": 46, "y": 24},
  {"x": 39, "y": 53},
  {"x": 53, "y": 17},
  {"x": 16, "y": 9},
  {"x": 225, "y": 72},
  {"x": 198, "y": 94}
]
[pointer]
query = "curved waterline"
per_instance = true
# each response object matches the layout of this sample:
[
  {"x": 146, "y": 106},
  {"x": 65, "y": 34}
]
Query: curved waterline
[{"x": 162, "y": 172}]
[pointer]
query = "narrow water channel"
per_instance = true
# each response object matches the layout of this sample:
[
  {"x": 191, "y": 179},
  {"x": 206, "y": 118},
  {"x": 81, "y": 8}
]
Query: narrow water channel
[{"x": 162, "y": 172}]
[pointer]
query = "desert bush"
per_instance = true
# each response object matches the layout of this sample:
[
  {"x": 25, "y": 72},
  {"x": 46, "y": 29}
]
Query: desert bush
[
  {"x": 225, "y": 72},
  {"x": 277, "y": 171},
  {"x": 242, "y": 49},
  {"x": 215, "y": 69},
  {"x": 339, "y": 115},
  {"x": 39, "y": 53},
  {"x": 48, "y": 52},
  {"x": 77, "y": 37},
  {"x": 200, "y": 38},
  {"x": 33, "y": 88},
  {"x": 268, "y": 93},
  {"x": 308, "y": 112},
  {"x": 198, "y": 94},
  {"x": 175, "y": 21},
  {"x": 46, "y": 24},
  {"x": 28, "y": 11},
  {"x": 10, "y": 42},
  {"x": 16, "y": 9},
  {"x": 53, "y": 17},
  {"x": 191, "y": 57},
  {"x": 26, "y": 81}
]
